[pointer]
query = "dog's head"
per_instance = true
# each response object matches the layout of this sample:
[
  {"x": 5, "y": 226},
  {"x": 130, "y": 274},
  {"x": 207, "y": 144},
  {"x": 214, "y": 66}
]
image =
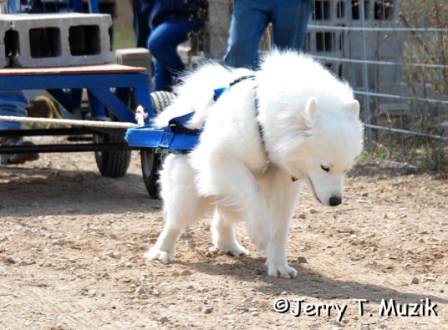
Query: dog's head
[{"x": 325, "y": 148}]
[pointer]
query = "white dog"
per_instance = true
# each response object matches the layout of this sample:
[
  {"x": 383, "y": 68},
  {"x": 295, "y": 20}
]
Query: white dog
[{"x": 289, "y": 122}]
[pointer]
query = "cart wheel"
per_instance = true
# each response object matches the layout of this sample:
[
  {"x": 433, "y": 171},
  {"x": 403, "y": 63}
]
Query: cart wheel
[
  {"x": 151, "y": 160},
  {"x": 161, "y": 99},
  {"x": 113, "y": 164}
]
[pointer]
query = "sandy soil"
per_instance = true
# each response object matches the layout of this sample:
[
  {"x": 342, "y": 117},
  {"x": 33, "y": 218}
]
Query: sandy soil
[{"x": 71, "y": 246}]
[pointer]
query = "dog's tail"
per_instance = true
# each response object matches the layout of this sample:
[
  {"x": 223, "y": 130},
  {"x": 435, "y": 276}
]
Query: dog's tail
[{"x": 196, "y": 94}]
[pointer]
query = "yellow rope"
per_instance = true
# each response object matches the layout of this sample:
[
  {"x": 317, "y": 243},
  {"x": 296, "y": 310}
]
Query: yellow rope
[{"x": 53, "y": 111}]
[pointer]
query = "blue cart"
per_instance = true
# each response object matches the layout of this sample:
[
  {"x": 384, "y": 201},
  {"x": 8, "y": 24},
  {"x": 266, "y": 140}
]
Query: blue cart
[
  {"x": 112, "y": 90},
  {"x": 155, "y": 143}
]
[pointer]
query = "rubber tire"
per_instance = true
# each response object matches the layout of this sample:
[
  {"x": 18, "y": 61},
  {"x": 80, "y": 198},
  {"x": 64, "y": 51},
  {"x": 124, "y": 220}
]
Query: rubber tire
[
  {"x": 161, "y": 99},
  {"x": 112, "y": 164},
  {"x": 151, "y": 161}
]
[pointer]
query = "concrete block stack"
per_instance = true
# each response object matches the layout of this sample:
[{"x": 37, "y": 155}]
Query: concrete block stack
[{"x": 65, "y": 39}]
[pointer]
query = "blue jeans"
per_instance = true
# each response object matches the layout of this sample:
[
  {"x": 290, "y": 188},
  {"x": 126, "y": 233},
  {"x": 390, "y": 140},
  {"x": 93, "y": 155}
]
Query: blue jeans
[
  {"x": 140, "y": 23},
  {"x": 289, "y": 20},
  {"x": 12, "y": 103},
  {"x": 162, "y": 43}
]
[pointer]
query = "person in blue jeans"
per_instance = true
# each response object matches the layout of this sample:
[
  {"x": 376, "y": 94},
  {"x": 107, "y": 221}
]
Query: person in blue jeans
[
  {"x": 289, "y": 19},
  {"x": 170, "y": 22},
  {"x": 140, "y": 21},
  {"x": 13, "y": 103}
]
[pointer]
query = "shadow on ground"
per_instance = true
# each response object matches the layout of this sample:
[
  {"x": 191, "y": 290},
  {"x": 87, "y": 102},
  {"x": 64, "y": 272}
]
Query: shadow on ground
[
  {"x": 46, "y": 191},
  {"x": 307, "y": 283}
]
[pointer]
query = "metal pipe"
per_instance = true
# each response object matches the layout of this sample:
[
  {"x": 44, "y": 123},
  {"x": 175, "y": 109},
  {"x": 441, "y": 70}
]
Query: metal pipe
[
  {"x": 45, "y": 132},
  {"x": 401, "y": 97},
  {"x": 374, "y": 29},
  {"x": 76, "y": 122},
  {"x": 371, "y": 62},
  {"x": 54, "y": 148},
  {"x": 365, "y": 70},
  {"x": 403, "y": 131}
]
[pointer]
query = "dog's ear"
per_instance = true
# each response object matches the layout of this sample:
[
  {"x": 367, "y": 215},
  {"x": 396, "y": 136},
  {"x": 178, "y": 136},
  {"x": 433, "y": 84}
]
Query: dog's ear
[
  {"x": 308, "y": 117},
  {"x": 353, "y": 108}
]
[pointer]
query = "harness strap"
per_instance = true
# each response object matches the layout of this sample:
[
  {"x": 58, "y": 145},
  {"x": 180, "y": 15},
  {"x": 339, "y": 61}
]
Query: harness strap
[
  {"x": 177, "y": 124},
  {"x": 219, "y": 91},
  {"x": 236, "y": 81}
]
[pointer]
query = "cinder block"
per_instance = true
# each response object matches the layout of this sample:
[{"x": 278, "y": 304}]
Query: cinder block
[
  {"x": 138, "y": 57},
  {"x": 3, "y": 59},
  {"x": 65, "y": 39},
  {"x": 2, "y": 56}
]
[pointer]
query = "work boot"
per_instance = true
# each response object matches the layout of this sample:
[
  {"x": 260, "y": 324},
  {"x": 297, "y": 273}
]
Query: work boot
[{"x": 9, "y": 159}]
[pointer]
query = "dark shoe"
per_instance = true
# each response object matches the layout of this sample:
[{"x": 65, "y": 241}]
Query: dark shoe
[{"x": 6, "y": 159}]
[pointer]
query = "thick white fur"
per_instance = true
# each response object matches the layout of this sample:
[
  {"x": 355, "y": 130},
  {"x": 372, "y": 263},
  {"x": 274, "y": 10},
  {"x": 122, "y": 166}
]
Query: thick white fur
[{"x": 310, "y": 124}]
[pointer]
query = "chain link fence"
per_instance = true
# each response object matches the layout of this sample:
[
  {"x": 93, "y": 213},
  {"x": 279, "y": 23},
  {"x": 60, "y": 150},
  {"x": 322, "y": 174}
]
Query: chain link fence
[{"x": 395, "y": 55}]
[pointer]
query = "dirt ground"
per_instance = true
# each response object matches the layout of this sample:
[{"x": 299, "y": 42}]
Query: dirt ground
[{"x": 71, "y": 247}]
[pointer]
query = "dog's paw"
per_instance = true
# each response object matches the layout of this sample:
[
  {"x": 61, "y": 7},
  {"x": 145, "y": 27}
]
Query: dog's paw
[
  {"x": 156, "y": 254},
  {"x": 235, "y": 249},
  {"x": 284, "y": 271}
]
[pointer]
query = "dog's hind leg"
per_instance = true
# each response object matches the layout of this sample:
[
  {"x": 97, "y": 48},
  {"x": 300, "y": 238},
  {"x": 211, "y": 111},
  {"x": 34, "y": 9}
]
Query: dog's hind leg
[
  {"x": 223, "y": 232},
  {"x": 182, "y": 205},
  {"x": 235, "y": 189}
]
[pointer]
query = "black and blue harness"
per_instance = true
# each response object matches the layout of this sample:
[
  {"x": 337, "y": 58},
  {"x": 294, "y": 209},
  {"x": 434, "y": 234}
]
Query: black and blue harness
[{"x": 177, "y": 137}]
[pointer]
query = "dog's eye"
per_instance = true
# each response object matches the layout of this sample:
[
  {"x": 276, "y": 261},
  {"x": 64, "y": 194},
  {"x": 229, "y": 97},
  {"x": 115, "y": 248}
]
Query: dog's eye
[{"x": 325, "y": 168}]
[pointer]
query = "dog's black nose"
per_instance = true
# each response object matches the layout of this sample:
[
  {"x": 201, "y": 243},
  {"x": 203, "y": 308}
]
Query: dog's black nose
[{"x": 335, "y": 201}]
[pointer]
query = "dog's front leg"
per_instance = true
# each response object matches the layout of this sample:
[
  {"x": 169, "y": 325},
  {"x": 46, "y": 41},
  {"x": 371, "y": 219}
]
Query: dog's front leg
[{"x": 282, "y": 195}]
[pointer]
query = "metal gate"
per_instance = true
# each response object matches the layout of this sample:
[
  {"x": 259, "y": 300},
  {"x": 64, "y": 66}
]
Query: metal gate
[{"x": 395, "y": 55}]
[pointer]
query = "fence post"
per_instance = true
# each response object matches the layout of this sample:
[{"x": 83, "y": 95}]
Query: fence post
[{"x": 365, "y": 72}]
